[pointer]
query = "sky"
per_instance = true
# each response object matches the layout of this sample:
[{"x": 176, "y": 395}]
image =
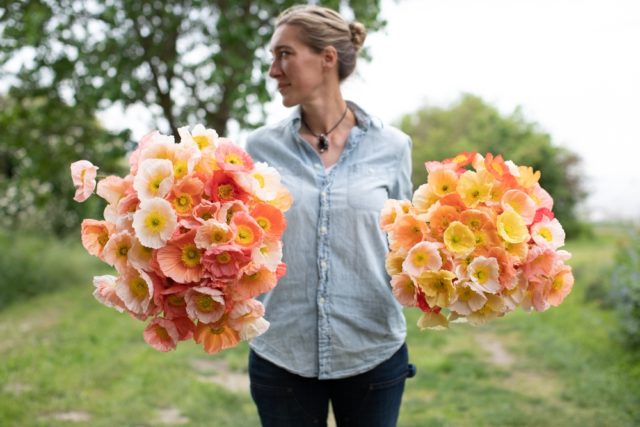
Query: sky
[{"x": 572, "y": 66}]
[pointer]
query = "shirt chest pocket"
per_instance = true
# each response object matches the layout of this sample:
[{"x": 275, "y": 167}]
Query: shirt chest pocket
[{"x": 368, "y": 186}]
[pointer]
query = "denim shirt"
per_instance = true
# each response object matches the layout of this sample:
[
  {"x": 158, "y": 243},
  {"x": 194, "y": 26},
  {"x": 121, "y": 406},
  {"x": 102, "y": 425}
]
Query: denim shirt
[{"x": 333, "y": 314}]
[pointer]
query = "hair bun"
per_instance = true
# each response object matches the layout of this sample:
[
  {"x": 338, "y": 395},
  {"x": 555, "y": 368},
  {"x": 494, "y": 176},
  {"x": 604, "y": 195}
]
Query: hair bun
[{"x": 358, "y": 34}]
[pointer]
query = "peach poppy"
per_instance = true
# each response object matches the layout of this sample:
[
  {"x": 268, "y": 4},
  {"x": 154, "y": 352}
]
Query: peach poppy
[
  {"x": 440, "y": 218},
  {"x": 113, "y": 188},
  {"x": 497, "y": 167},
  {"x": 393, "y": 262},
  {"x": 205, "y": 139},
  {"x": 526, "y": 177},
  {"x": 83, "y": 174},
  {"x": 262, "y": 181},
  {"x": 248, "y": 234},
  {"x": 144, "y": 142},
  {"x": 268, "y": 255},
  {"x": 437, "y": 287},
  {"x": 468, "y": 299},
  {"x": 185, "y": 195},
  {"x": 408, "y": 231},
  {"x": 484, "y": 275},
  {"x": 224, "y": 262},
  {"x": 474, "y": 188},
  {"x": 186, "y": 327},
  {"x": 404, "y": 289},
  {"x": 252, "y": 284},
  {"x": 459, "y": 239},
  {"x": 507, "y": 270},
  {"x": 548, "y": 232},
  {"x": 233, "y": 158},
  {"x": 181, "y": 260},
  {"x": 162, "y": 147},
  {"x": 561, "y": 285},
  {"x": 432, "y": 320},
  {"x": 541, "y": 197},
  {"x": 140, "y": 256},
  {"x": 161, "y": 334},
  {"x": 154, "y": 179},
  {"x": 270, "y": 219},
  {"x": 511, "y": 227},
  {"x": 95, "y": 235},
  {"x": 173, "y": 302},
  {"x": 475, "y": 219},
  {"x": 204, "y": 304},
  {"x": 154, "y": 222},
  {"x": 283, "y": 199},
  {"x": 246, "y": 317},
  {"x": 493, "y": 308},
  {"x": 128, "y": 204},
  {"x": 421, "y": 257},
  {"x": 105, "y": 292},
  {"x": 423, "y": 198},
  {"x": 521, "y": 203},
  {"x": 540, "y": 262},
  {"x": 116, "y": 251},
  {"x": 216, "y": 337},
  {"x": 135, "y": 289},
  {"x": 213, "y": 233},
  {"x": 223, "y": 188},
  {"x": 442, "y": 181}
]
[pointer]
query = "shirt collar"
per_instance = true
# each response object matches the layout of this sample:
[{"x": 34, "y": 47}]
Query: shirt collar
[{"x": 363, "y": 119}]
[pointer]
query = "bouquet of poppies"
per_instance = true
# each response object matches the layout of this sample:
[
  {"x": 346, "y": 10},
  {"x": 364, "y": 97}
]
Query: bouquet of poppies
[
  {"x": 194, "y": 233},
  {"x": 477, "y": 240}
]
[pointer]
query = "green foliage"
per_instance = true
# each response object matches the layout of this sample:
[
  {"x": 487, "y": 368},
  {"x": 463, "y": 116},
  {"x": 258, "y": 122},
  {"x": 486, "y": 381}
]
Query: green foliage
[
  {"x": 189, "y": 61},
  {"x": 40, "y": 136},
  {"x": 37, "y": 264},
  {"x": 626, "y": 287},
  {"x": 473, "y": 125}
]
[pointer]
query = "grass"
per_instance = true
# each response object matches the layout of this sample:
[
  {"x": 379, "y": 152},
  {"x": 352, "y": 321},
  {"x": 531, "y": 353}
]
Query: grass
[{"x": 66, "y": 360}]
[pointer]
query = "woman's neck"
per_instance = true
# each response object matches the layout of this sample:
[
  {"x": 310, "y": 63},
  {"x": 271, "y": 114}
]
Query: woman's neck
[{"x": 323, "y": 114}]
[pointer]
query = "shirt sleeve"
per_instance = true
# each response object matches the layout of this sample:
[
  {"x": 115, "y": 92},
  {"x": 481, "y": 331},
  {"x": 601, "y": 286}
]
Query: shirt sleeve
[{"x": 402, "y": 188}]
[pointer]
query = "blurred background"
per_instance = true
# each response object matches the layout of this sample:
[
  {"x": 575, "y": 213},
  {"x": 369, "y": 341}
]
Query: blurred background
[{"x": 550, "y": 84}]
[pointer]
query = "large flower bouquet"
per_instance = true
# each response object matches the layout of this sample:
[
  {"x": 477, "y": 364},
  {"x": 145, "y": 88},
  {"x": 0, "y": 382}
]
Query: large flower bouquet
[
  {"x": 476, "y": 241},
  {"x": 194, "y": 233}
]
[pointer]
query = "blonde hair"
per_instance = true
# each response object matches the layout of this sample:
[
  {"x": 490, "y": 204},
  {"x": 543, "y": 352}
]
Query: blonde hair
[{"x": 322, "y": 27}]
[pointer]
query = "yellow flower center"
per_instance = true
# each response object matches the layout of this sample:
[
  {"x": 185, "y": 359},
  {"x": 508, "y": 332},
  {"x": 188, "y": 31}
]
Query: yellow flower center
[
  {"x": 233, "y": 159},
  {"x": 264, "y": 223},
  {"x": 162, "y": 333},
  {"x": 183, "y": 203},
  {"x": 260, "y": 179},
  {"x": 245, "y": 235},
  {"x": 155, "y": 222},
  {"x": 190, "y": 256},
  {"x": 202, "y": 141},
  {"x": 123, "y": 250},
  {"x": 175, "y": 301},
  {"x": 180, "y": 169},
  {"x": 154, "y": 184},
  {"x": 546, "y": 234},
  {"x": 481, "y": 276},
  {"x": 103, "y": 238},
  {"x": 223, "y": 258},
  {"x": 205, "y": 303},
  {"x": 225, "y": 191},
  {"x": 139, "y": 288}
]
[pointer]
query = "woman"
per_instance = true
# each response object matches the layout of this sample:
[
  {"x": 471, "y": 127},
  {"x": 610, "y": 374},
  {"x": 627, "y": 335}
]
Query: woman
[{"x": 337, "y": 334}]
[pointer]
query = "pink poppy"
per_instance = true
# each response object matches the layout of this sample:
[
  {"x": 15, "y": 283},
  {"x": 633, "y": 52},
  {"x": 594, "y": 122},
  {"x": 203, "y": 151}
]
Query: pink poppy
[
  {"x": 95, "y": 235},
  {"x": 233, "y": 158},
  {"x": 105, "y": 292},
  {"x": 224, "y": 262},
  {"x": 246, "y": 318},
  {"x": 204, "y": 304},
  {"x": 181, "y": 259},
  {"x": 83, "y": 174},
  {"x": 161, "y": 334},
  {"x": 253, "y": 284}
]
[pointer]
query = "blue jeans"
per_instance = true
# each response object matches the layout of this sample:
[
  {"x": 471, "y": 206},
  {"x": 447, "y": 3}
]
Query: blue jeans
[{"x": 371, "y": 399}]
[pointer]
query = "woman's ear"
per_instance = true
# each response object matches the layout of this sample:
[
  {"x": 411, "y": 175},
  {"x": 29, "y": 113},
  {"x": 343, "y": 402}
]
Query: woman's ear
[{"x": 329, "y": 57}]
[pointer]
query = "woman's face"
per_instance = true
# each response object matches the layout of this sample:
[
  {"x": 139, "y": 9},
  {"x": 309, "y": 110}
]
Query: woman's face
[{"x": 298, "y": 70}]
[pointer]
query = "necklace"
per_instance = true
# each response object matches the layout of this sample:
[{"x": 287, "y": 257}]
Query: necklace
[{"x": 323, "y": 141}]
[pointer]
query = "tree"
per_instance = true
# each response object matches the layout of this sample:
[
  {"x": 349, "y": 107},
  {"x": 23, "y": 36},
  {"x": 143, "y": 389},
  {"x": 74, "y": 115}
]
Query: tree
[
  {"x": 40, "y": 136},
  {"x": 473, "y": 125},
  {"x": 188, "y": 61}
]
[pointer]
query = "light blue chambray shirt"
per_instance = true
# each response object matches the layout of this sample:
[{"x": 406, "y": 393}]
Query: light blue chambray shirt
[{"x": 333, "y": 314}]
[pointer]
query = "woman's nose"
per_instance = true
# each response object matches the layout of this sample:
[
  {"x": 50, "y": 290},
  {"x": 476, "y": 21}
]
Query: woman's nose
[{"x": 274, "y": 69}]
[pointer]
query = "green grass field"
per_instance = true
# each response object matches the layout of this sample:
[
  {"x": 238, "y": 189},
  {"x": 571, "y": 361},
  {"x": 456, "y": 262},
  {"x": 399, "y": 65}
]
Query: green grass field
[{"x": 68, "y": 361}]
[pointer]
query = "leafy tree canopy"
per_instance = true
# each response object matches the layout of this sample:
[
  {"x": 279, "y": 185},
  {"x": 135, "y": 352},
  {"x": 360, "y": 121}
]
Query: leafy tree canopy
[
  {"x": 39, "y": 138},
  {"x": 188, "y": 61},
  {"x": 473, "y": 125}
]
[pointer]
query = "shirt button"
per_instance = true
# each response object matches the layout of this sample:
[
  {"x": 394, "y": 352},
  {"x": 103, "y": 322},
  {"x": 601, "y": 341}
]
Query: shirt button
[
  {"x": 323, "y": 265},
  {"x": 323, "y": 230},
  {"x": 321, "y": 300},
  {"x": 324, "y": 195}
]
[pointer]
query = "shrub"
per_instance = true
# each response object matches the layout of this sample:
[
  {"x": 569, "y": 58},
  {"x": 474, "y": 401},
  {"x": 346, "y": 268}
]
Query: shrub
[
  {"x": 626, "y": 288},
  {"x": 31, "y": 265}
]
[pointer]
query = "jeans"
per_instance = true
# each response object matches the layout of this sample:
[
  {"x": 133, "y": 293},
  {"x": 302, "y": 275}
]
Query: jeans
[{"x": 371, "y": 399}]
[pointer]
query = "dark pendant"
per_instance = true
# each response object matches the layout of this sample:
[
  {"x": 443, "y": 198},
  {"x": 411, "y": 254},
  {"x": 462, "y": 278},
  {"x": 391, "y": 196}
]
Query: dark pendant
[{"x": 323, "y": 143}]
